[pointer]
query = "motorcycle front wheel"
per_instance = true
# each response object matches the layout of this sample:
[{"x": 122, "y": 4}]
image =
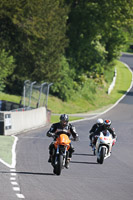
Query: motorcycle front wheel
[
  {"x": 101, "y": 157},
  {"x": 58, "y": 166}
]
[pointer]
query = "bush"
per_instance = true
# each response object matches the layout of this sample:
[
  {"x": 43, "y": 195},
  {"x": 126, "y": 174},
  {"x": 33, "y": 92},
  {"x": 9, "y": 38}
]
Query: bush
[
  {"x": 63, "y": 88},
  {"x": 7, "y": 65}
]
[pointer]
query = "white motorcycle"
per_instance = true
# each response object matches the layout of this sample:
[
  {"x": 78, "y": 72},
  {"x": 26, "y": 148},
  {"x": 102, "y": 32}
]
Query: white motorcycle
[{"x": 103, "y": 146}]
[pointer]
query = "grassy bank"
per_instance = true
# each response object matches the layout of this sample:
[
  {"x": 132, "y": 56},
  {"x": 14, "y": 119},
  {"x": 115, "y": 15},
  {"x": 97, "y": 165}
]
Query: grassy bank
[
  {"x": 12, "y": 98},
  {"x": 102, "y": 99},
  {"x": 80, "y": 105}
]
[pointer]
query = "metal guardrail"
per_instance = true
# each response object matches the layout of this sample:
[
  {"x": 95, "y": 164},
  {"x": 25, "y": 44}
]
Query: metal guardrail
[{"x": 113, "y": 82}]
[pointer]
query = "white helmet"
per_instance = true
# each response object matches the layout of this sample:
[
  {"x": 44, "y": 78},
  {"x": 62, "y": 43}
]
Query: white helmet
[{"x": 100, "y": 121}]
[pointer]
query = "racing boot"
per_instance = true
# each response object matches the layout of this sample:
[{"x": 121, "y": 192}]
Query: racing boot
[
  {"x": 50, "y": 159},
  {"x": 67, "y": 163},
  {"x": 90, "y": 144}
]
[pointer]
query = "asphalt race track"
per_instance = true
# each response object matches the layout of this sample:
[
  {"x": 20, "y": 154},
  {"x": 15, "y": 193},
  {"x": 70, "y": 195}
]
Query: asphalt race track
[{"x": 85, "y": 179}]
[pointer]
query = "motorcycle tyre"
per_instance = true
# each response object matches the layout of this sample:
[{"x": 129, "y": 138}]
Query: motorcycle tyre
[
  {"x": 97, "y": 160},
  {"x": 58, "y": 167},
  {"x": 102, "y": 155}
]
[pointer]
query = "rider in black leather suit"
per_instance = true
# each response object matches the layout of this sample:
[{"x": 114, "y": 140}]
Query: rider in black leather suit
[
  {"x": 106, "y": 126},
  {"x": 94, "y": 128},
  {"x": 65, "y": 127}
]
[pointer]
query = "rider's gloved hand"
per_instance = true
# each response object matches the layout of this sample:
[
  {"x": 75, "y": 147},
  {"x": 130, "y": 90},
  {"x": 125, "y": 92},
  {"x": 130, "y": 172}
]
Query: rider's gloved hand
[
  {"x": 50, "y": 134},
  {"x": 114, "y": 141}
]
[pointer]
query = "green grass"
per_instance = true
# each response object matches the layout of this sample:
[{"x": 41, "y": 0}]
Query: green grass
[
  {"x": 55, "y": 118},
  {"x": 123, "y": 81},
  {"x": 7, "y": 97},
  {"x": 6, "y": 143}
]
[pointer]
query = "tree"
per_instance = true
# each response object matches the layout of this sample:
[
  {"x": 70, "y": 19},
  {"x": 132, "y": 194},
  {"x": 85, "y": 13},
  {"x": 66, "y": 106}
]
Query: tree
[
  {"x": 96, "y": 32},
  {"x": 6, "y": 66},
  {"x": 35, "y": 33}
]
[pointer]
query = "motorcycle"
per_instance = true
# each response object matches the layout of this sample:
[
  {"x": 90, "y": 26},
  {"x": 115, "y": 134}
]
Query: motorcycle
[
  {"x": 60, "y": 153},
  {"x": 103, "y": 146}
]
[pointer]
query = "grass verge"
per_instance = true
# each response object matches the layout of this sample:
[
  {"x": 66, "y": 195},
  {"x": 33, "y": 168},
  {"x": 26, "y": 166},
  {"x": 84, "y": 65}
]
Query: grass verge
[{"x": 6, "y": 143}]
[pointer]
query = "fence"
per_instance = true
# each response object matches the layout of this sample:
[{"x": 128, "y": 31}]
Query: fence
[{"x": 35, "y": 95}]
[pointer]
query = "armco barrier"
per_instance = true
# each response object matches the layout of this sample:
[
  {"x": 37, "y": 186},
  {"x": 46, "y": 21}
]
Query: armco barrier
[
  {"x": 12, "y": 123},
  {"x": 113, "y": 82}
]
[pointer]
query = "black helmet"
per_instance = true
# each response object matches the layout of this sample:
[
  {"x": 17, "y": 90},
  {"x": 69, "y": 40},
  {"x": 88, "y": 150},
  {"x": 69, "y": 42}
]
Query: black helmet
[
  {"x": 107, "y": 123},
  {"x": 64, "y": 119}
]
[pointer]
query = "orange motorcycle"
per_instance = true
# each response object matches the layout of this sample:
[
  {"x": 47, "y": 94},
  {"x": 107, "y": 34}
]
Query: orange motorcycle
[{"x": 60, "y": 153}]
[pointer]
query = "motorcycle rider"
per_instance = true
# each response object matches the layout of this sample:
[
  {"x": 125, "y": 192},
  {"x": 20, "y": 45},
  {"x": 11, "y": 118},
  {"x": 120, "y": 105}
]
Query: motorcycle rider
[
  {"x": 94, "y": 128},
  {"x": 106, "y": 126},
  {"x": 65, "y": 127}
]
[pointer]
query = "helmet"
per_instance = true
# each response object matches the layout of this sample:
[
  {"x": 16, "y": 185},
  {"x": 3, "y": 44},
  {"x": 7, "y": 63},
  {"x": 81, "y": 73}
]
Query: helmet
[
  {"x": 107, "y": 123},
  {"x": 100, "y": 121},
  {"x": 64, "y": 119}
]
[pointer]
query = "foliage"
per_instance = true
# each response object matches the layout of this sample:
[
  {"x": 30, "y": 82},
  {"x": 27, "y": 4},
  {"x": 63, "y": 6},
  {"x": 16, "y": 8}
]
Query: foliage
[
  {"x": 109, "y": 73},
  {"x": 63, "y": 87},
  {"x": 70, "y": 43},
  {"x": 128, "y": 45},
  {"x": 96, "y": 33},
  {"x": 6, "y": 66},
  {"x": 34, "y": 31}
]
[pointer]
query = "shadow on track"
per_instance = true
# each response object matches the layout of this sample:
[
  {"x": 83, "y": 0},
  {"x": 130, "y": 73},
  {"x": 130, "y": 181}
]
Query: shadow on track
[
  {"x": 80, "y": 162},
  {"x": 130, "y": 93},
  {"x": 82, "y": 154},
  {"x": 28, "y": 173}
]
